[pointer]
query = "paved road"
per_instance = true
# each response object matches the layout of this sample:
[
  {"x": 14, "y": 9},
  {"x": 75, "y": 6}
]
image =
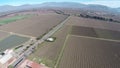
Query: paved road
[{"x": 30, "y": 49}]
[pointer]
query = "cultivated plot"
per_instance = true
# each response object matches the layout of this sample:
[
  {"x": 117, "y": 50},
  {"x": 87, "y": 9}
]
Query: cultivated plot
[
  {"x": 36, "y": 25},
  {"x": 12, "y": 41},
  {"x": 83, "y": 31},
  {"x": 83, "y": 52},
  {"x": 95, "y": 32},
  {"x": 78, "y": 21}
]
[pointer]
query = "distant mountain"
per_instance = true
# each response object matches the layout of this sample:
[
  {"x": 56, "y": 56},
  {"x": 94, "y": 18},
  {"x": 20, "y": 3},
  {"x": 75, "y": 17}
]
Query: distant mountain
[
  {"x": 97, "y": 7},
  {"x": 6, "y": 8},
  {"x": 118, "y": 9},
  {"x": 63, "y": 4},
  {"x": 94, "y": 7},
  {"x": 59, "y": 5}
]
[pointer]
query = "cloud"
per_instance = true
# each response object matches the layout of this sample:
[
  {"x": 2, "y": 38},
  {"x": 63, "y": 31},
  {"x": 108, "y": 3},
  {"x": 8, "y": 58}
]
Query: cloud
[{"x": 113, "y": 4}]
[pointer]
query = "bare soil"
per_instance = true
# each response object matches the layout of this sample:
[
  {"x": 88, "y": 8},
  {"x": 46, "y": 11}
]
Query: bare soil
[
  {"x": 90, "y": 53},
  {"x": 78, "y": 21},
  {"x": 83, "y": 31},
  {"x": 95, "y": 32},
  {"x": 36, "y": 25}
]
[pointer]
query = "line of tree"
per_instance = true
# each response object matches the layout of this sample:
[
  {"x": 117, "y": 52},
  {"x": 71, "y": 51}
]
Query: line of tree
[
  {"x": 98, "y": 18},
  {"x": 60, "y": 12}
]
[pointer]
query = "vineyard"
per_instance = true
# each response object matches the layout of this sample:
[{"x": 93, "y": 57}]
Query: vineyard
[{"x": 90, "y": 53}]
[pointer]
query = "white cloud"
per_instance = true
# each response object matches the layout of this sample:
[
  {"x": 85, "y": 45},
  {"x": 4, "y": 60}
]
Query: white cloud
[{"x": 113, "y": 4}]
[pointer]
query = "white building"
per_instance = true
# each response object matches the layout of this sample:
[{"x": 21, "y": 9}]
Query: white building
[
  {"x": 6, "y": 59},
  {"x": 50, "y": 39}
]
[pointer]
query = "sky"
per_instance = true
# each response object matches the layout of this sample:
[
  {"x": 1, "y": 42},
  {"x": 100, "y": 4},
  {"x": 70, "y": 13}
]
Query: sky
[{"x": 109, "y": 3}]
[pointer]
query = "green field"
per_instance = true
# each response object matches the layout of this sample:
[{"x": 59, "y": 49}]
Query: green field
[
  {"x": 12, "y": 19},
  {"x": 12, "y": 41}
]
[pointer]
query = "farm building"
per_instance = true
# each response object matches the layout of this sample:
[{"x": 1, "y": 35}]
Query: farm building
[
  {"x": 6, "y": 59},
  {"x": 50, "y": 39}
]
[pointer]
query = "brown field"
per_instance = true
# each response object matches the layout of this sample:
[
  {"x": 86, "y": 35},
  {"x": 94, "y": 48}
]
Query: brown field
[
  {"x": 34, "y": 26},
  {"x": 34, "y": 12},
  {"x": 83, "y": 52},
  {"x": 95, "y": 32},
  {"x": 78, "y": 21},
  {"x": 90, "y": 53},
  {"x": 83, "y": 31},
  {"x": 3, "y": 35},
  {"x": 54, "y": 47},
  {"x": 51, "y": 50}
]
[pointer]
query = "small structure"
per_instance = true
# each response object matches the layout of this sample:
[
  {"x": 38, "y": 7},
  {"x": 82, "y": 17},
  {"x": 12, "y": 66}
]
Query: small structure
[{"x": 51, "y": 39}]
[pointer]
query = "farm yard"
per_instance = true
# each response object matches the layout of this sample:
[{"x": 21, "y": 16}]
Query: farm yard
[
  {"x": 12, "y": 41},
  {"x": 59, "y": 34},
  {"x": 36, "y": 25},
  {"x": 80, "y": 43}
]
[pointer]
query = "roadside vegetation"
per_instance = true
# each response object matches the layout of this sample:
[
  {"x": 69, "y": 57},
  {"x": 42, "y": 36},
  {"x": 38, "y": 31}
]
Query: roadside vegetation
[
  {"x": 17, "y": 47},
  {"x": 10, "y": 66}
]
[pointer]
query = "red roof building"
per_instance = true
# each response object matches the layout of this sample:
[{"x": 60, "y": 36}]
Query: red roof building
[{"x": 30, "y": 64}]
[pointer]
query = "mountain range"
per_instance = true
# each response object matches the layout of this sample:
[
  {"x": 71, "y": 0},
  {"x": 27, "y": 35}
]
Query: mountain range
[{"x": 6, "y": 8}]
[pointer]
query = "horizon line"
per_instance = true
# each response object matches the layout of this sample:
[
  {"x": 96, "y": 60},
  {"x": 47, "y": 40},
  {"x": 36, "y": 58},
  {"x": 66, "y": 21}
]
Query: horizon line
[{"x": 56, "y": 2}]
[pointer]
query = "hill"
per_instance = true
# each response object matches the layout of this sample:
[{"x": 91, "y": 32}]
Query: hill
[{"x": 94, "y": 7}]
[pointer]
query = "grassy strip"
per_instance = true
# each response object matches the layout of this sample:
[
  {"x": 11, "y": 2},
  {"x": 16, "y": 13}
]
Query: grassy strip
[
  {"x": 61, "y": 53},
  {"x": 10, "y": 66},
  {"x": 62, "y": 50},
  {"x": 47, "y": 62},
  {"x": 12, "y": 19}
]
